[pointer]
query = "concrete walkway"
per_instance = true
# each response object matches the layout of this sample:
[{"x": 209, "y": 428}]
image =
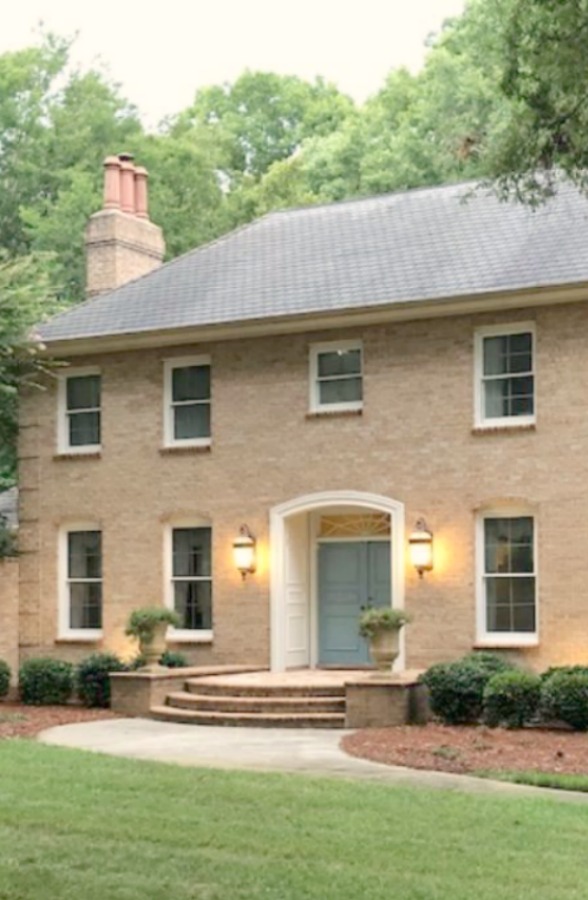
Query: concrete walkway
[{"x": 312, "y": 751}]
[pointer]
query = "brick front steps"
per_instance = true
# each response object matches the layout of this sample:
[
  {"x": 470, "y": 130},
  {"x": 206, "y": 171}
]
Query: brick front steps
[
  {"x": 221, "y": 702},
  {"x": 247, "y": 695}
]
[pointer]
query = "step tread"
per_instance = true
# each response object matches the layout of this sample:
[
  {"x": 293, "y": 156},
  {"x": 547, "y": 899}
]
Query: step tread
[
  {"x": 198, "y": 686},
  {"x": 241, "y": 700},
  {"x": 293, "y": 719}
]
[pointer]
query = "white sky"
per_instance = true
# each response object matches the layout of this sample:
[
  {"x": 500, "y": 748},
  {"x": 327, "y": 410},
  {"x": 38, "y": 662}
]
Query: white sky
[{"x": 161, "y": 53}]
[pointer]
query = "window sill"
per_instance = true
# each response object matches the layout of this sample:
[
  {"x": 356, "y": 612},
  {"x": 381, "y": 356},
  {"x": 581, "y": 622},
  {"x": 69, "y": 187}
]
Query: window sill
[
  {"x": 516, "y": 642},
  {"x": 187, "y": 448},
  {"x": 504, "y": 429},
  {"x": 189, "y": 637},
  {"x": 332, "y": 413},
  {"x": 77, "y": 454}
]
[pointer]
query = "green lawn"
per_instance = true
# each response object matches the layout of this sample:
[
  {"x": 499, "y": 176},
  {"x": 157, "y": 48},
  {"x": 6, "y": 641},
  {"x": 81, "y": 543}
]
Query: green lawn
[{"x": 76, "y": 825}]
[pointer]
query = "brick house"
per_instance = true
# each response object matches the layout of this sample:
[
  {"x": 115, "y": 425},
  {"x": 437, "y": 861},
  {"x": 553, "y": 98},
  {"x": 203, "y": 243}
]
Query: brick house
[{"x": 325, "y": 377}]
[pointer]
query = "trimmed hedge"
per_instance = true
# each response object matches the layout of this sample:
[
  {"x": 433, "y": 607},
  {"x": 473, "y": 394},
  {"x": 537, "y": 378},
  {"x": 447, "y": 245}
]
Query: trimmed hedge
[
  {"x": 92, "y": 678},
  {"x": 173, "y": 659},
  {"x": 4, "y": 678},
  {"x": 456, "y": 690},
  {"x": 564, "y": 696},
  {"x": 511, "y": 699},
  {"x": 44, "y": 681}
]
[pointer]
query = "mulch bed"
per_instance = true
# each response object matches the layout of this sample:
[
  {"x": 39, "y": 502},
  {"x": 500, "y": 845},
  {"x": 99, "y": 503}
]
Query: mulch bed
[
  {"x": 20, "y": 721},
  {"x": 472, "y": 749}
]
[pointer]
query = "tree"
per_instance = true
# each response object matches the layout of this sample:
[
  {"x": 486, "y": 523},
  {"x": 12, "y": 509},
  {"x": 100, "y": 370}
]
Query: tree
[
  {"x": 543, "y": 75},
  {"x": 26, "y": 297}
]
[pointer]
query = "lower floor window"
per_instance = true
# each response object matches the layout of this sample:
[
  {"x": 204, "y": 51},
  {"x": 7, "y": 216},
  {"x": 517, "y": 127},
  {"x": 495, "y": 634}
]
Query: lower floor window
[
  {"x": 192, "y": 577},
  {"x": 84, "y": 579},
  {"x": 509, "y": 580}
]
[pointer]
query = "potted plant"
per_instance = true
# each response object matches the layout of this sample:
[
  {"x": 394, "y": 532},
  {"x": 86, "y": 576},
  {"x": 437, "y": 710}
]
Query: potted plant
[
  {"x": 149, "y": 625},
  {"x": 381, "y": 626}
]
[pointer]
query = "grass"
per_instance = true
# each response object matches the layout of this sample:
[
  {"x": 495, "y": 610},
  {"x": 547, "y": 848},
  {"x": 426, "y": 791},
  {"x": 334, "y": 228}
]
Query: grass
[
  {"x": 559, "y": 781},
  {"x": 74, "y": 824}
]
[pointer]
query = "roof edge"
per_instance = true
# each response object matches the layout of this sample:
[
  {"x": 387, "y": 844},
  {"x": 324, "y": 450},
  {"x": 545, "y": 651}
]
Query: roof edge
[{"x": 442, "y": 307}]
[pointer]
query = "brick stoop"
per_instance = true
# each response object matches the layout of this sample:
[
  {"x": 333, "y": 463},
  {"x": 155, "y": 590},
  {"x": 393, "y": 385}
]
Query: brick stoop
[{"x": 216, "y": 702}]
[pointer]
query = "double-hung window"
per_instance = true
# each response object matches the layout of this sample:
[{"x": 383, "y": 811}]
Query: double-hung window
[
  {"x": 505, "y": 376},
  {"x": 187, "y": 402},
  {"x": 336, "y": 377},
  {"x": 507, "y": 579},
  {"x": 81, "y": 588},
  {"x": 189, "y": 588},
  {"x": 79, "y": 411}
]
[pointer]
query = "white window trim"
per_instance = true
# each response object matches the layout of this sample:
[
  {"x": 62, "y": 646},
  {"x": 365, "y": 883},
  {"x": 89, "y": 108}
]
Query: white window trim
[
  {"x": 502, "y": 638},
  {"x": 480, "y": 421},
  {"x": 314, "y": 402},
  {"x": 64, "y": 632},
  {"x": 183, "y": 635},
  {"x": 180, "y": 362},
  {"x": 63, "y": 444}
]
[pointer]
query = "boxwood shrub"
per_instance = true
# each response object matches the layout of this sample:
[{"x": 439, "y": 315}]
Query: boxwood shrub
[
  {"x": 4, "y": 678},
  {"x": 92, "y": 678},
  {"x": 456, "y": 690},
  {"x": 511, "y": 699},
  {"x": 173, "y": 659},
  {"x": 564, "y": 697},
  {"x": 44, "y": 681}
]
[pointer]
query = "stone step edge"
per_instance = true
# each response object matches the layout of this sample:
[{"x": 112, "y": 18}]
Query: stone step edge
[
  {"x": 196, "y": 686},
  {"x": 187, "y": 700},
  {"x": 295, "y": 720}
]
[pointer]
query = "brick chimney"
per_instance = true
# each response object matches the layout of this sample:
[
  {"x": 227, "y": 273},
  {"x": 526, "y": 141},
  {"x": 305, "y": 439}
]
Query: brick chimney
[{"x": 121, "y": 242}]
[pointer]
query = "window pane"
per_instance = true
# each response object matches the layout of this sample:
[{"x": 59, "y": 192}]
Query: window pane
[
  {"x": 190, "y": 383},
  {"x": 84, "y": 554},
  {"x": 345, "y": 390},
  {"x": 496, "y": 399},
  {"x": 508, "y": 397},
  {"x": 84, "y": 428},
  {"x": 192, "y": 421},
  {"x": 339, "y": 362},
  {"x": 508, "y": 544},
  {"x": 193, "y": 603},
  {"x": 495, "y": 355},
  {"x": 191, "y": 552},
  {"x": 83, "y": 392},
  {"x": 85, "y": 606},
  {"x": 510, "y": 604}
]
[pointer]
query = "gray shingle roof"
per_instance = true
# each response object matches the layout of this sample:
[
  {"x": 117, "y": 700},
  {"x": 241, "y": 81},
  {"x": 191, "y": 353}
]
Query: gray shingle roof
[{"x": 417, "y": 245}]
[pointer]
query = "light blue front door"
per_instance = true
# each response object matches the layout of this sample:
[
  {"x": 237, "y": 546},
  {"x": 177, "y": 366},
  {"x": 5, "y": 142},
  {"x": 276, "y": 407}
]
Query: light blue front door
[{"x": 351, "y": 576}]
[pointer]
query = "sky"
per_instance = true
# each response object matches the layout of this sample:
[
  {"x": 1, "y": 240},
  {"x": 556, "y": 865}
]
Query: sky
[{"x": 161, "y": 53}]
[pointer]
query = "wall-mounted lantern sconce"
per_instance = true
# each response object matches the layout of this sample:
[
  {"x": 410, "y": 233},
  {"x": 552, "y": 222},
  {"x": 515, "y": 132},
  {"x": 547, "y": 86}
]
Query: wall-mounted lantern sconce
[
  {"x": 244, "y": 552},
  {"x": 421, "y": 547}
]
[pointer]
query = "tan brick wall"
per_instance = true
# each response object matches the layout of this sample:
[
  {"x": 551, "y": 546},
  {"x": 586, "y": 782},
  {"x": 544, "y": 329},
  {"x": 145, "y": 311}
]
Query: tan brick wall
[
  {"x": 9, "y": 613},
  {"x": 413, "y": 443}
]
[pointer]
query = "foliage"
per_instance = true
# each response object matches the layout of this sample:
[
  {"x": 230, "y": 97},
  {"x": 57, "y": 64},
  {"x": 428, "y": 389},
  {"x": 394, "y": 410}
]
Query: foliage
[
  {"x": 44, "y": 681},
  {"x": 143, "y": 622},
  {"x": 173, "y": 660},
  {"x": 381, "y": 618},
  {"x": 92, "y": 678},
  {"x": 488, "y": 662},
  {"x": 511, "y": 699},
  {"x": 564, "y": 697},
  {"x": 4, "y": 678},
  {"x": 8, "y": 540},
  {"x": 456, "y": 690},
  {"x": 568, "y": 669}
]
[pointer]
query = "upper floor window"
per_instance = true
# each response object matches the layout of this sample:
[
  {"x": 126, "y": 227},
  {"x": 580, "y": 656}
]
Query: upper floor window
[
  {"x": 505, "y": 376},
  {"x": 507, "y": 612},
  {"x": 81, "y": 583},
  {"x": 187, "y": 402},
  {"x": 189, "y": 580},
  {"x": 336, "y": 376},
  {"x": 79, "y": 411}
]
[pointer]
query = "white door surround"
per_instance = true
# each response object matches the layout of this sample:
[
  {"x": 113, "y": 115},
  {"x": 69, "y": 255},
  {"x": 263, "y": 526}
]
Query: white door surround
[{"x": 291, "y": 594}]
